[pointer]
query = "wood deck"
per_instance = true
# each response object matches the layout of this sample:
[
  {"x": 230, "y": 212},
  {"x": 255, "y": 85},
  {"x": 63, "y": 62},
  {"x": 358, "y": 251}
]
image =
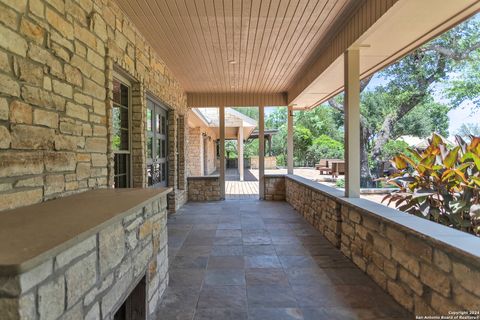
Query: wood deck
[{"x": 241, "y": 190}]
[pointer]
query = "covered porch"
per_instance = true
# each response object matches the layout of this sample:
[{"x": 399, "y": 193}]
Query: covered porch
[{"x": 103, "y": 216}]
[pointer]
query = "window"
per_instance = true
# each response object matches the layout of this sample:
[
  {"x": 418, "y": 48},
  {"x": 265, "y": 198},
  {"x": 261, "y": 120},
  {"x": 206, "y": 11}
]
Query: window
[
  {"x": 121, "y": 132},
  {"x": 156, "y": 144}
]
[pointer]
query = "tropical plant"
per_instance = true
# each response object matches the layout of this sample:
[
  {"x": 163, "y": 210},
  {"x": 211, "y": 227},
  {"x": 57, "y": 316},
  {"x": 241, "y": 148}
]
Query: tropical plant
[{"x": 440, "y": 183}]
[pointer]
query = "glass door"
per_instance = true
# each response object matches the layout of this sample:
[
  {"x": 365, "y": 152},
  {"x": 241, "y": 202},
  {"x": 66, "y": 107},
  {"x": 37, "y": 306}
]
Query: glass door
[{"x": 156, "y": 144}]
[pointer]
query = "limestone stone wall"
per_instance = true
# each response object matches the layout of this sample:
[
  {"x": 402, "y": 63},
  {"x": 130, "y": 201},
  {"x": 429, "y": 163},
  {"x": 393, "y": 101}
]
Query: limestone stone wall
[
  {"x": 201, "y": 151},
  {"x": 57, "y": 62},
  {"x": 204, "y": 188},
  {"x": 414, "y": 262},
  {"x": 194, "y": 162},
  {"x": 91, "y": 279},
  {"x": 270, "y": 162},
  {"x": 275, "y": 187}
]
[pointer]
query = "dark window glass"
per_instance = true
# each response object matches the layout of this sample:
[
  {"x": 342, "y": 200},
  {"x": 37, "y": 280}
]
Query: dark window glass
[
  {"x": 149, "y": 147},
  {"x": 116, "y": 92},
  {"x": 164, "y": 148},
  {"x": 164, "y": 125},
  {"x": 121, "y": 136},
  {"x": 159, "y": 149},
  {"x": 121, "y": 170},
  {"x": 149, "y": 120}
]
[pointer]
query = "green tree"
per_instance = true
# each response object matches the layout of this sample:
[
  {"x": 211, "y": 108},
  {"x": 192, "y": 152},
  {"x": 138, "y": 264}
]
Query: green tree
[
  {"x": 302, "y": 140},
  {"x": 324, "y": 147},
  {"x": 441, "y": 66}
]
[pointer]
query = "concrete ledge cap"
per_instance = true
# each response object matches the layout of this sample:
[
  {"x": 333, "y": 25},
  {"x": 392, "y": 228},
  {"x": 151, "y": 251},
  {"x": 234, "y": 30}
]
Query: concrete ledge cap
[
  {"x": 33, "y": 234},
  {"x": 211, "y": 177}
]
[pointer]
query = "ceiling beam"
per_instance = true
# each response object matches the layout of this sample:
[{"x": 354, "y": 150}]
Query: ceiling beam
[{"x": 202, "y": 100}]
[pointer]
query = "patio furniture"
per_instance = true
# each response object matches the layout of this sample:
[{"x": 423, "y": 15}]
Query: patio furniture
[
  {"x": 338, "y": 167},
  {"x": 323, "y": 167}
]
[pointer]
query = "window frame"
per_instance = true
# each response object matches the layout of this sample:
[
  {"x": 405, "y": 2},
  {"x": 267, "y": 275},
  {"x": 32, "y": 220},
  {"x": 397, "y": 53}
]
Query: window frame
[{"x": 126, "y": 82}]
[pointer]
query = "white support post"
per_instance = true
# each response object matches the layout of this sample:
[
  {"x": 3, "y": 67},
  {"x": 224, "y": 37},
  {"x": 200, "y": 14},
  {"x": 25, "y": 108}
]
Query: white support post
[
  {"x": 290, "y": 140},
  {"x": 221, "y": 112},
  {"x": 240, "y": 152},
  {"x": 352, "y": 123},
  {"x": 261, "y": 151}
]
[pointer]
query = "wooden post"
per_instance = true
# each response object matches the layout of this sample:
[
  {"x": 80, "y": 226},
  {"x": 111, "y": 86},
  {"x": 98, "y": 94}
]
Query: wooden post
[
  {"x": 290, "y": 140},
  {"x": 352, "y": 123},
  {"x": 261, "y": 151},
  {"x": 221, "y": 113},
  {"x": 240, "y": 152}
]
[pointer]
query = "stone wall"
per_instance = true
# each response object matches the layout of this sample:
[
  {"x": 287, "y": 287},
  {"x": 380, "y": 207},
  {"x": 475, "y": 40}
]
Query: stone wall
[
  {"x": 194, "y": 162},
  {"x": 274, "y": 187},
  {"x": 270, "y": 162},
  {"x": 204, "y": 188},
  {"x": 58, "y": 60},
  {"x": 201, "y": 148},
  {"x": 426, "y": 267},
  {"x": 91, "y": 279}
]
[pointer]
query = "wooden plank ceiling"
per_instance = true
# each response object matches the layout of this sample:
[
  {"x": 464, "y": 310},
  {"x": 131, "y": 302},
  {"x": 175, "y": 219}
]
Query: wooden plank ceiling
[{"x": 236, "y": 46}]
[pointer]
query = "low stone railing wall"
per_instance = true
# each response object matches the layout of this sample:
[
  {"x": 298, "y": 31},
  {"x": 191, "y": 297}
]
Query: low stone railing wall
[
  {"x": 428, "y": 268},
  {"x": 270, "y": 162},
  {"x": 275, "y": 187},
  {"x": 106, "y": 243},
  {"x": 204, "y": 188}
]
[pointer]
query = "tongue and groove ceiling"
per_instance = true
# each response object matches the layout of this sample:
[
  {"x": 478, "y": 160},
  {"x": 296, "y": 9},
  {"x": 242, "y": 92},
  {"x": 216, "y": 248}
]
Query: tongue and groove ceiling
[{"x": 235, "y": 45}]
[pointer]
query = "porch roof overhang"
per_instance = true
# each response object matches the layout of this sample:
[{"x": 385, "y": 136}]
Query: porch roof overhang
[{"x": 275, "y": 53}]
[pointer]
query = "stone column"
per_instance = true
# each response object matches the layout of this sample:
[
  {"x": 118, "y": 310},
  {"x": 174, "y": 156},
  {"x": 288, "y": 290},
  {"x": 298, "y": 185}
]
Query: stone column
[
  {"x": 139, "y": 157},
  {"x": 221, "y": 113},
  {"x": 240, "y": 152},
  {"x": 352, "y": 123},
  {"x": 182, "y": 178},
  {"x": 290, "y": 140},
  {"x": 261, "y": 151}
]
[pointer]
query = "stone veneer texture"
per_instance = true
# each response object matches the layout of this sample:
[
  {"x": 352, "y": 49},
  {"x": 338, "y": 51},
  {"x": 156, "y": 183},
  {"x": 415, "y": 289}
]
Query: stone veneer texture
[
  {"x": 204, "y": 188},
  {"x": 91, "y": 279},
  {"x": 57, "y": 61},
  {"x": 426, "y": 276},
  {"x": 274, "y": 187}
]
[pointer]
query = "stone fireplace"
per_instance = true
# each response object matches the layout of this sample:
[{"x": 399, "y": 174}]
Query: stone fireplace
[{"x": 97, "y": 255}]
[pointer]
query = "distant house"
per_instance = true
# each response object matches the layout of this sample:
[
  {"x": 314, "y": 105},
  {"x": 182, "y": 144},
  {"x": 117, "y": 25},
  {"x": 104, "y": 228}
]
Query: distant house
[{"x": 203, "y": 136}]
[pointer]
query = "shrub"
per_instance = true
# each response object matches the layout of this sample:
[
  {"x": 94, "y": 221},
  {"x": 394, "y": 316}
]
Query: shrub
[{"x": 440, "y": 183}]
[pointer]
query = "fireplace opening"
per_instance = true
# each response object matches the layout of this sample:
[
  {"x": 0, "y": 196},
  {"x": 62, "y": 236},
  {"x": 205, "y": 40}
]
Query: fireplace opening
[{"x": 135, "y": 305}]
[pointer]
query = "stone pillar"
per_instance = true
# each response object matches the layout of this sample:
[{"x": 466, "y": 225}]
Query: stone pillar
[
  {"x": 352, "y": 123},
  {"x": 172, "y": 159},
  {"x": 290, "y": 140},
  {"x": 172, "y": 148},
  {"x": 261, "y": 151},
  {"x": 139, "y": 107},
  {"x": 182, "y": 177},
  {"x": 240, "y": 152},
  {"x": 221, "y": 113}
]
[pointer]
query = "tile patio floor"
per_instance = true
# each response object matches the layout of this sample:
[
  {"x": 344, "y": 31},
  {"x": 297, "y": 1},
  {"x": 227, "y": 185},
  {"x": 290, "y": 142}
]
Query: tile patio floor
[{"x": 260, "y": 260}]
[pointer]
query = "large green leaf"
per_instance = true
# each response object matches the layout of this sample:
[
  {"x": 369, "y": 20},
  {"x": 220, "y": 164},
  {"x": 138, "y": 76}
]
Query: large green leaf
[{"x": 451, "y": 157}]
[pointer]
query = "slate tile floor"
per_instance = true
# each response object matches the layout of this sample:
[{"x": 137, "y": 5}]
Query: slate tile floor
[{"x": 260, "y": 260}]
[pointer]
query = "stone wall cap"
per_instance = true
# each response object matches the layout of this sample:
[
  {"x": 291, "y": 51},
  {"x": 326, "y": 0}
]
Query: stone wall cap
[
  {"x": 33, "y": 234},
  {"x": 449, "y": 239},
  {"x": 210, "y": 177},
  {"x": 275, "y": 175}
]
